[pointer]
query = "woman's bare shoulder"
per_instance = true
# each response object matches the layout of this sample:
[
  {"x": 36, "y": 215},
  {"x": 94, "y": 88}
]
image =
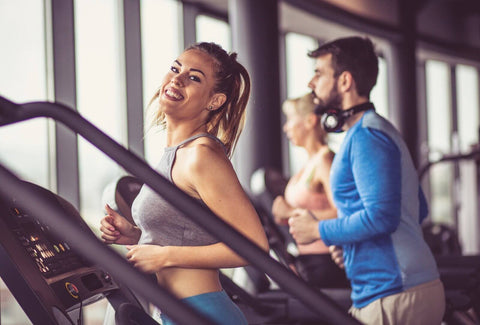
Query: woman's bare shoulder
[
  {"x": 324, "y": 155},
  {"x": 205, "y": 154}
]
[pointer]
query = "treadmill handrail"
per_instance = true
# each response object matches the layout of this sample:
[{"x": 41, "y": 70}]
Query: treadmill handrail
[
  {"x": 286, "y": 279},
  {"x": 473, "y": 154}
]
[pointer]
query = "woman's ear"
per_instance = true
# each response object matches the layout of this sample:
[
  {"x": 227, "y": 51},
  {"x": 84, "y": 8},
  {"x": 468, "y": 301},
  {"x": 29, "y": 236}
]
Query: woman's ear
[{"x": 217, "y": 101}]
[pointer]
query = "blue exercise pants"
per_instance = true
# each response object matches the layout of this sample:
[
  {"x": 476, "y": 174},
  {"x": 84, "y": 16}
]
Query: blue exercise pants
[{"x": 215, "y": 305}]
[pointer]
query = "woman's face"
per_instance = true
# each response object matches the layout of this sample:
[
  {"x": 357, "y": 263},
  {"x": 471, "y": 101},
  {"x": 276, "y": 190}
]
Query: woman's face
[
  {"x": 295, "y": 127},
  {"x": 187, "y": 89}
]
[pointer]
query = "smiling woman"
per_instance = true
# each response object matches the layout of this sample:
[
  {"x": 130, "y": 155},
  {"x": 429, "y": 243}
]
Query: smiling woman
[{"x": 201, "y": 103}]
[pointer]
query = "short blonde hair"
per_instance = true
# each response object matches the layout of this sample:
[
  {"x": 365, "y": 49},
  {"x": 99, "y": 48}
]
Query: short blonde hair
[{"x": 301, "y": 105}]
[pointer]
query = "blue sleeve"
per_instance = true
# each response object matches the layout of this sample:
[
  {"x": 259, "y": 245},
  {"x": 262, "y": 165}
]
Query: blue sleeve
[
  {"x": 423, "y": 205},
  {"x": 375, "y": 161}
]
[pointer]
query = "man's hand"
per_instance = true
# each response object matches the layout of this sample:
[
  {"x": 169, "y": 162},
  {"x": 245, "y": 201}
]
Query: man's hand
[
  {"x": 337, "y": 255},
  {"x": 303, "y": 227}
]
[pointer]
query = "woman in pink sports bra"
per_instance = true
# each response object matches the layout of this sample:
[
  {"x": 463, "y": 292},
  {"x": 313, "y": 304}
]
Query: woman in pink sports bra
[{"x": 309, "y": 188}]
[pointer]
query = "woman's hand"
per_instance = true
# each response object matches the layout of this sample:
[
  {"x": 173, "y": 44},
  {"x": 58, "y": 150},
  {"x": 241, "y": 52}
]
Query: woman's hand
[
  {"x": 117, "y": 230},
  {"x": 147, "y": 258},
  {"x": 281, "y": 210}
]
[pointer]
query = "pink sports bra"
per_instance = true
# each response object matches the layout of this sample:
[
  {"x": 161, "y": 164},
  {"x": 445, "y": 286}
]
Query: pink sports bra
[{"x": 299, "y": 195}]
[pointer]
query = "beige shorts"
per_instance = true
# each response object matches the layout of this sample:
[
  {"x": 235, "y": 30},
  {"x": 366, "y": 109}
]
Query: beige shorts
[{"x": 422, "y": 305}]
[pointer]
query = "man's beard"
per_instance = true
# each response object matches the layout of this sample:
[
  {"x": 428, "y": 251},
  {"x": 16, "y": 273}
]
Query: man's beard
[{"x": 334, "y": 101}]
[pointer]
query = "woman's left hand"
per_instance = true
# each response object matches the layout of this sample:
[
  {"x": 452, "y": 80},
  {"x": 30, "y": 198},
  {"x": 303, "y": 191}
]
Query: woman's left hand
[{"x": 148, "y": 258}]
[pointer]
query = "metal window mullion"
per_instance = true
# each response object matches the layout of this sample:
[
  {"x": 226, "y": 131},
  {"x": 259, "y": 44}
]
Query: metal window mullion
[
  {"x": 63, "y": 44},
  {"x": 455, "y": 145},
  {"x": 190, "y": 13},
  {"x": 133, "y": 75}
]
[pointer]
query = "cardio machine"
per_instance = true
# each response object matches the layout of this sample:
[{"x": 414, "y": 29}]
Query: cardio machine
[
  {"x": 459, "y": 273},
  {"x": 47, "y": 277}
]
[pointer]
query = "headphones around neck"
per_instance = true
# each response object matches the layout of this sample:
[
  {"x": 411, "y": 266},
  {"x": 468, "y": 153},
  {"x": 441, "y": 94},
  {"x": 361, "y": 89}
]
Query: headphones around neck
[{"x": 333, "y": 119}]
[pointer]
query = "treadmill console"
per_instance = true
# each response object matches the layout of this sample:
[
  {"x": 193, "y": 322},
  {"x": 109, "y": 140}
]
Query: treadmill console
[
  {"x": 43, "y": 271},
  {"x": 51, "y": 255}
]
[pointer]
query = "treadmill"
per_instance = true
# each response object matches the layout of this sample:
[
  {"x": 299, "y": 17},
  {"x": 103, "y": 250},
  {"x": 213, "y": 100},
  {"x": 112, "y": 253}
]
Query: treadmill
[{"x": 47, "y": 277}]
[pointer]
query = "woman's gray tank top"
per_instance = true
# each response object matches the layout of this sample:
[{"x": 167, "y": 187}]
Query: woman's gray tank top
[{"x": 160, "y": 223}]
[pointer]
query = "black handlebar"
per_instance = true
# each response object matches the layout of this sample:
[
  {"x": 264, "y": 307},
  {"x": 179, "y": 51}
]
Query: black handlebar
[{"x": 473, "y": 154}]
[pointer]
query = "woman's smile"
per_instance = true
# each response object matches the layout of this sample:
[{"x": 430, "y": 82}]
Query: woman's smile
[{"x": 173, "y": 94}]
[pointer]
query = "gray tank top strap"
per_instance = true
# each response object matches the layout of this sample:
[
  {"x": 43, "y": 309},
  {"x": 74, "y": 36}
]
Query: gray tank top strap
[
  {"x": 196, "y": 136},
  {"x": 170, "y": 153}
]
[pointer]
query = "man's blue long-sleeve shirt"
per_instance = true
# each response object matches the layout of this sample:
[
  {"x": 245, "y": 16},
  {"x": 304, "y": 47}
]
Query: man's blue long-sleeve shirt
[{"x": 380, "y": 206}]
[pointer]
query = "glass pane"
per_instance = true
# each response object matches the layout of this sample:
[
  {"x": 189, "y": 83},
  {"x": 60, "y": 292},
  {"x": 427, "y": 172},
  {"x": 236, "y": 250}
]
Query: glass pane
[
  {"x": 468, "y": 127},
  {"x": 100, "y": 96},
  {"x": 299, "y": 66},
  {"x": 158, "y": 52},
  {"x": 439, "y": 134},
  {"x": 299, "y": 72},
  {"x": 379, "y": 93},
  {"x": 24, "y": 147},
  {"x": 467, "y": 106},
  {"x": 213, "y": 30}
]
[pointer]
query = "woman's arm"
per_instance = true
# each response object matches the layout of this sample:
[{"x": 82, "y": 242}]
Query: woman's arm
[
  {"x": 206, "y": 172},
  {"x": 214, "y": 180},
  {"x": 153, "y": 258},
  {"x": 322, "y": 175}
]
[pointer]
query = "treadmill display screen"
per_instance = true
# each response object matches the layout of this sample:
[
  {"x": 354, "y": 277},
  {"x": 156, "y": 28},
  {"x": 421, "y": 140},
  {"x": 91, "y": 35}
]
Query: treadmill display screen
[{"x": 51, "y": 255}]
